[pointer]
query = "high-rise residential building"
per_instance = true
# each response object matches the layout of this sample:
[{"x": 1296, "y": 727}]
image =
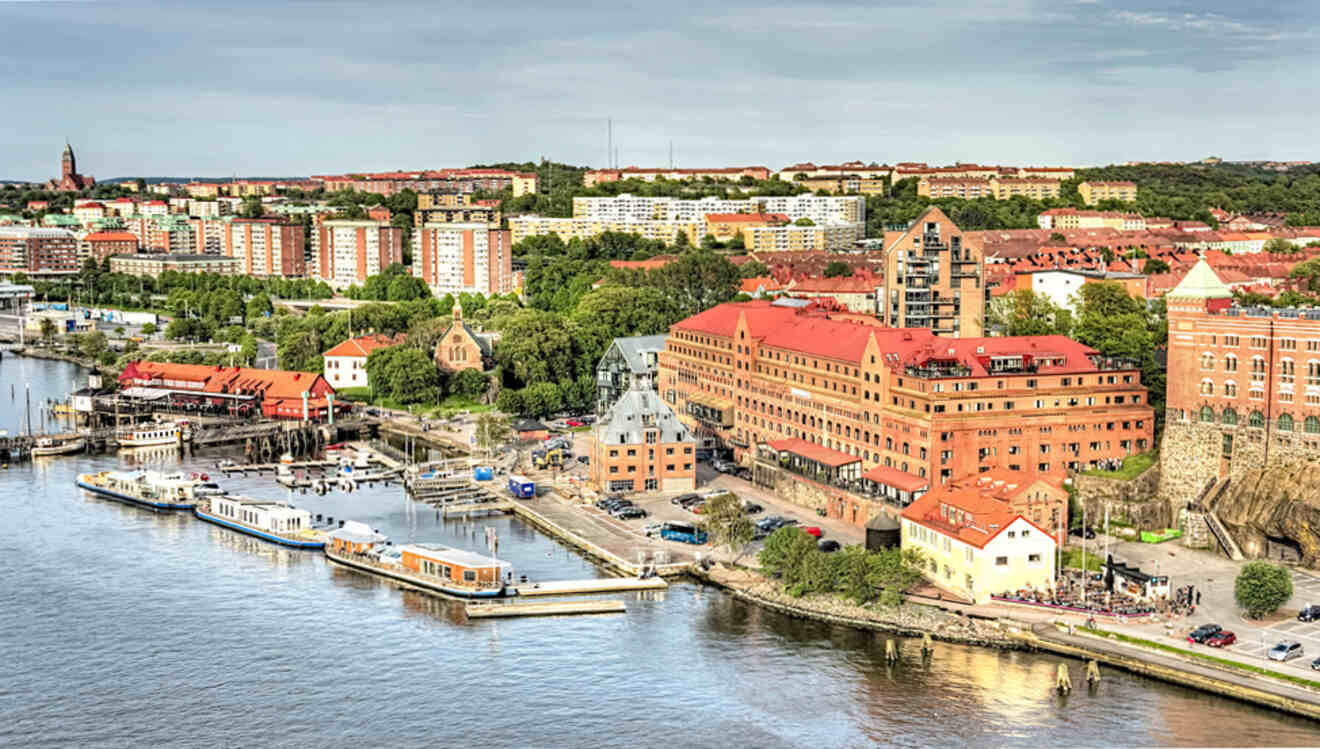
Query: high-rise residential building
[
  {"x": 933, "y": 278},
  {"x": 854, "y": 406},
  {"x": 37, "y": 250},
  {"x": 456, "y": 258},
  {"x": 1094, "y": 192},
  {"x": 266, "y": 247},
  {"x": 346, "y": 252}
]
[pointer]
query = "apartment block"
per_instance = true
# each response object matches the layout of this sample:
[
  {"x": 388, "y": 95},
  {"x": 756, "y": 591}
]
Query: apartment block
[
  {"x": 599, "y": 176},
  {"x": 347, "y": 252},
  {"x": 454, "y": 258},
  {"x": 32, "y": 250},
  {"x": 102, "y": 244},
  {"x": 999, "y": 188},
  {"x": 266, "y": 247},
  {"x": 522, "y": 227},
  {"x": 933, "y": 278},
  {"x": 1094, "y": 192},
  {"x": 155, "y": 264}
]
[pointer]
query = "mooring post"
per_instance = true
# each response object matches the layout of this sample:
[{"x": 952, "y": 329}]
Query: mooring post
[
  {"x": 927, "y": 647},
  {"x": 891, "y": 651},
  {"x": 1062, "y": 681},
  {"x": 1093, "y": 672}
]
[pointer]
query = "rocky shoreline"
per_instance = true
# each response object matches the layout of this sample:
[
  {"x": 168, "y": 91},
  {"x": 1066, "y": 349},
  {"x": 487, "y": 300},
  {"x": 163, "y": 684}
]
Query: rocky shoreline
[{"x": 907, "y": 620}]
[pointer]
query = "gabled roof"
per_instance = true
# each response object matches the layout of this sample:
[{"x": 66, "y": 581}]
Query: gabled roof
[
  {"x": 972, "y": 518},
  {"x": 362, "y": 345},
  {"x": 1201, "y": 282},
  {"x": 635, "y": 411},
  {"x": 634, "y": 350}
]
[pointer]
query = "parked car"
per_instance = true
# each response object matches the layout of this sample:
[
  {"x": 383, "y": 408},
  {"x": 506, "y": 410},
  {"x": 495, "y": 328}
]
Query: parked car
[
  {"x": 1315, "y": 664},
  {"x": 651, "y": 529},
  {"x": 630, "y": 513},
  {"x": 575, "y": 423},
  {"x": 1202, "y": 632},
  {"x": 1286, "y": 651},
  {"x": 680, "y": 499},
  {"x": 696, "y": 507},
  {"x": 752, "y": 508},
  {"x": 584, "y": 459},
  {"x": 744, "y": 473},
  {"x": 1080, "y": 532},
  {"x": 690, "y": 502},
  {"x": 1221, "y": 639},
  {"x": 1309, "y": 614},
  {"x": 828, "y": 545},
  {"x": 721, "y": 465}
]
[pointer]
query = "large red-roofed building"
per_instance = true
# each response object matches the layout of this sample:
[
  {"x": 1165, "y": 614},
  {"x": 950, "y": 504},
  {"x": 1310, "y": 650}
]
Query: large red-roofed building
[
  {"x": 279, "y": 394},
  {"x": 748, "y": 374}
]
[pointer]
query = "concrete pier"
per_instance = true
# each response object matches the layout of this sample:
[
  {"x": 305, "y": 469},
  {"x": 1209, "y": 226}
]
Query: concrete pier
[
  {"x": 545, "y": 608},
  {"x": 602, "y": 585}
]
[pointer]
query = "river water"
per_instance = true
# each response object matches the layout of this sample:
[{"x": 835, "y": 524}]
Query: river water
[{"x": 123, "y": 628}]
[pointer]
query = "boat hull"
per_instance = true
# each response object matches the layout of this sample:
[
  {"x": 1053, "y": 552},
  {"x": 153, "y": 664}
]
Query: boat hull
[
  {"x": 129, "y": 499},
  {"x": 66, "y": 448},
  {"x": 257, "y": 533},
  {"x": 413, "y": 581}
]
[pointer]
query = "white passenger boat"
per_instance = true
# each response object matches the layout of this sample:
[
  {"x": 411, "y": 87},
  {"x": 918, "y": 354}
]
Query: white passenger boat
[
  {"x": 150, "y": 489},
  {"x": 60, "y": 444},
  {"x": 156, "y": 433},
  {"x": 277, "y": 522}
]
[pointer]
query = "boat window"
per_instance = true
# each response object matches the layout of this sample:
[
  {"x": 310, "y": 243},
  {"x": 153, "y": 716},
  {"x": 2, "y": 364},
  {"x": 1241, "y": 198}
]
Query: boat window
[{"x": 469, "y": 576}]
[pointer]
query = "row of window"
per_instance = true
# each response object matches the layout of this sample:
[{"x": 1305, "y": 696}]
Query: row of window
[{"x": 1285, "y": 422}]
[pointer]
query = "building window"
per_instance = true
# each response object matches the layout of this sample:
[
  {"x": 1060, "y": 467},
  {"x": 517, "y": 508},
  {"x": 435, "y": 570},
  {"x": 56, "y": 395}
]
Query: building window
[
  {"x": 1033, "y": 558},
  {"x": 1285, "y": 423},
  {"x": 1256, "y": 419},
  {"x": 1001, "y": 561},
  {"x": 1207, "y": 414},
  {"x": 1230, "y": 416},
  {"x": 1311, "y": 425}
]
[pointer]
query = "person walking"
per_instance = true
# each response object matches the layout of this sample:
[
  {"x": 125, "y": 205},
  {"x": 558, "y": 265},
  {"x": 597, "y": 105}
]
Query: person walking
[{"x": 1198, "y": 598}]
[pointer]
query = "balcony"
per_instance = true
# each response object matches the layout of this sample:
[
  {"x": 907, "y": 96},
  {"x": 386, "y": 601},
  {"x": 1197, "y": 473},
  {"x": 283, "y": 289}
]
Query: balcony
[{"x": 938, "y": 372}]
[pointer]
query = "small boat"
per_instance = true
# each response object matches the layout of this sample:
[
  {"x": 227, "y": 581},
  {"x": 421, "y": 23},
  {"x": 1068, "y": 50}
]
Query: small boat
[
  {"x": 59, "y": 445},
  {"x": 428, "y": 567},
  {"x": 286, "y": 459},
  {"x": 158, "y": 433},
  {"x": 277, "y": 522},
  {"x": 150, "y": 489},
  {"x": 362, "y": 460}
]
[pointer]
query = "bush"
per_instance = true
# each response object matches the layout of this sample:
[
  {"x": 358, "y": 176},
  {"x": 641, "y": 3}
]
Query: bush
[{"x": 1262, "y": 587}]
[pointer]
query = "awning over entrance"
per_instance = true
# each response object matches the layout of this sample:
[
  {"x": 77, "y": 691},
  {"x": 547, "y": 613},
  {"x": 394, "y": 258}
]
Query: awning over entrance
[
  {"x": 897, "y": 487},
  {"x": 816, "y": 461},
  {"x": 711, "y": 409}
]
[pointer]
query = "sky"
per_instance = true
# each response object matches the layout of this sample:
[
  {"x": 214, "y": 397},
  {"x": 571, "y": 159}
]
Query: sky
[{"x": 203, "y": 88}]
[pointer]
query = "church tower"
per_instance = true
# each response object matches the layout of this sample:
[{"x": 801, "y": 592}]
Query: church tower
[{"x": 68, "y": 167}]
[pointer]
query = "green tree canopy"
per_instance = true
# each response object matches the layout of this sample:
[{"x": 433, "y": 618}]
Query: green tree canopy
[
  {"x": 837, "y": 268},
  {"x": 1262, "y": 587},
  {"x": 1024, "y": 312}
]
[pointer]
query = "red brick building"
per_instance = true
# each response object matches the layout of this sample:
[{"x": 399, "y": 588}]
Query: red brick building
[
  {"x": 32, "y": 250},
  {"x": 267, "y": 247},
  {"x": 744, "y": 375},
  {"x": 461, "y": 347},
  {"x": 1243, "y": 386},
  {"x": 70, "y": 180},
  {"x": 103, "y": 244},
  {"x": 277, "y": 394}
]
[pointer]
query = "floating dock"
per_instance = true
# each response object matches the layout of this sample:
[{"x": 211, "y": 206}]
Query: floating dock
[
  {"x": 471, "y": 507},
  {"x": 602, "y": 585},
  {"x": 545, "y": 608}
]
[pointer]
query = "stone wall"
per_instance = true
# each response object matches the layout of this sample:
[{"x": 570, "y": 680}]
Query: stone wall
[
  {"x": 1189, "y": 457},
  {"x": 1196, "y": 532},
  {"x": 1136, "y": 501},
  {"x": 837, "y": 503}
]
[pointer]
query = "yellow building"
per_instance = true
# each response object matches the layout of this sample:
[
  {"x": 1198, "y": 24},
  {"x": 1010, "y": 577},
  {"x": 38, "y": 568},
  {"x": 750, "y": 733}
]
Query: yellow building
[
  {"x": 522, "y": 227},
  {"x": 725, "y": 226},
  {"x": 1094, "y": 192},
  {"x": 793, "y": 238},
  {"x": 1036, "y": 188},
  {"x": 974, "y": 546},
  {"x": 525, "y": 183}
]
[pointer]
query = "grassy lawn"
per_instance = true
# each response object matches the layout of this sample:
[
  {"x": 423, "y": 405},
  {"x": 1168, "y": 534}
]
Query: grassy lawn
[
  {"x": 1194, "y": 655},
  {"x": 1072, "y": 558},
  {"x": 1133, "y": 466},
  {"x": 445, "y": 409}
]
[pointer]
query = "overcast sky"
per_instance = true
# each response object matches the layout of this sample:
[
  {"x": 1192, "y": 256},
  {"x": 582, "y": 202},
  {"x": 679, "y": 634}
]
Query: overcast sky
[{"x": 202, "y": 88}]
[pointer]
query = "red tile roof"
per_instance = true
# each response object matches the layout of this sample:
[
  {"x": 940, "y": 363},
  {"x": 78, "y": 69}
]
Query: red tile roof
[
  {"x": 363, "y": 345},
  {"x": 111, "y": 236},
  {"x": 812, "y": 451},
  {"x": 977, "y": 519},
  {"x": 269, "y": 383},
  {"x": 901, "y": 480},
  {"x": 659, "y": 261}
]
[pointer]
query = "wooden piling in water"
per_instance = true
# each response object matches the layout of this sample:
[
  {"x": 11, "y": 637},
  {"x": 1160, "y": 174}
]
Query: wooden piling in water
[
  {"x": 1092, "y": 672},
  {"x": 1062, "y": 681},
  {"x": 891, "y": 651},
  {"x": 927, "y": 646}
]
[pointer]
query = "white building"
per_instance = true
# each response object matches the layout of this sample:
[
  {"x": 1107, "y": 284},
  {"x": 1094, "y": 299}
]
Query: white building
[
  {"x": 464, "y": 257},
  {"x": 346, "y": 252},
  {"x": 345, "y": 365}
]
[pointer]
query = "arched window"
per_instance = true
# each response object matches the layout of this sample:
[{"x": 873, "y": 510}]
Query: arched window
[
  {"x": 1207, "y": 387},
  {"x": 1256, "y": 419},
  {"x": 1285, "y": 423},
  {"x": 1207, "y": 414},
  {"x": 1230, "y": 389},
  {"x": 1230, "y": 416},
  {"x": 1207, "y": 360},
  {"x": 1311, "y": 425},
  {"x": 1230, "y": 363}
]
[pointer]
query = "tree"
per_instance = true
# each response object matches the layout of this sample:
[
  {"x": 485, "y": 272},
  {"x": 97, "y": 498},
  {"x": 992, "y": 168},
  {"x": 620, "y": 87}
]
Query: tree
[
  {"x": 492, "y": 430},
  {"x": 470, "y": 383},
  {"x": 509, "y": 401},
  {"x": 1024, "y": 312},
  {"x": 753, "y": 269},
  {"x": 804, "y": 221},
  {"x": 541, "y": 399},
  {"x": 1058, "y": 237},
  {"x": 149, "y": 329},
  {"x": 837, "y": 268},
  {"x": 48, "y": 330},
  {"x": 1261, "y": 588},
  {"x": 1153, "y": 266},
  {"x": 726, "y": 521},
  {"x": 251, "y": 207},
  {"x": 257, "y": 307},
  {"x": 1280, "y": 246},
  {"x": 93, "y": 344},
  {"x": 697, "y": 281},
  {"x": 403, "y": 373}
]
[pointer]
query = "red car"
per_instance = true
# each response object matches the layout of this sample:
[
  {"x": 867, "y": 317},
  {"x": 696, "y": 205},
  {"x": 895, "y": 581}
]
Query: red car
[
  {"x": 1220, "y": 639},
  {"x": 812, "y": 530},
  {"x": 575, "y": 423}
]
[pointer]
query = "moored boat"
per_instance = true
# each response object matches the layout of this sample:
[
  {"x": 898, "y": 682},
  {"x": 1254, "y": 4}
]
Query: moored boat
[
  {"x": 150, "y": 489},
  {"x": 154, "y": 434},
  {"x": 427, "y": 567},
  {"x": 277, "y": 522},
  {"x": 60, "y": 444}
]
